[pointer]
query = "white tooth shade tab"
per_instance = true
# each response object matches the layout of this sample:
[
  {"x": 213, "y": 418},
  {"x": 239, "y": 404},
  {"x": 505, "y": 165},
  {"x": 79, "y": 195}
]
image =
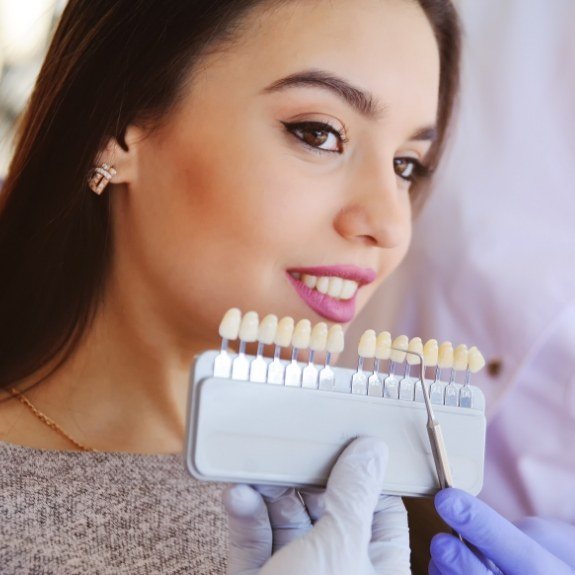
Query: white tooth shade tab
[
  {"x": 335, "y": 341},
  {"x": 249, "y": 327},
  {"x": 415, "y": 345},
  {"x": 431, "y": 352},
  {"x": 318, "y": 339},
  {"x": 445, "y": 355},
  {"x": 301, "y": 334},
  {"x": 230, "y": 324},
  {"x": 476, "y": 360},
  {"x": 460, "y": 358},
  {"x": 267, "y": 329},
  {"x": 366, "y": 347},
  {"x": 284, "y": 332},
  {"x": 309, "y": 281},
  {"x": 322, "y": 284},
  {"x": 401, "y": 342},
  {"x": 383, "y": 345}
]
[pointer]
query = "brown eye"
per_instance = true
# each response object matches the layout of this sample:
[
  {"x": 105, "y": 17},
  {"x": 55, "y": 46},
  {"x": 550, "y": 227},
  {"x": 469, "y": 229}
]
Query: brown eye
[
  {"x": 405, "y": 168},
  {"x": 317, "y": 135},
  {"x": 315, "y": 138}
]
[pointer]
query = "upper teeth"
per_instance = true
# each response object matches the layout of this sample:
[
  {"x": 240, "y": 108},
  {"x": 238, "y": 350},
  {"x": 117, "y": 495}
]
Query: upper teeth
[{"x": 332, "y": 286}]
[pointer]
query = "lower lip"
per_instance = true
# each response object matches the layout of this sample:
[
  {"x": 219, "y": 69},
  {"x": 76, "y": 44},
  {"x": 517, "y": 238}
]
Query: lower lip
[{"x": 338, "y": 310}]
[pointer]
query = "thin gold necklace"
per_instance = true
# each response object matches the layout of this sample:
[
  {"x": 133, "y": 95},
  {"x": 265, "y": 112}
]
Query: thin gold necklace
[{"x": 47, "y": 421}]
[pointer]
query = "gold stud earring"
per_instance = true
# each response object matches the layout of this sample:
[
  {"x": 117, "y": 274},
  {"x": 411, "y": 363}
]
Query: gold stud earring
[{"x": 101, "y": 177}]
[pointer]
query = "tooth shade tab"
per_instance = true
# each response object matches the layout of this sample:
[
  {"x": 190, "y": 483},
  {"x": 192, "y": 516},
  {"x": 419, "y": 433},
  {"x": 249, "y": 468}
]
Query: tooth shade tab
[
  {"x": 366, "y": 347},
  {"x": 309, "y": 281},
  {"x": 415, "y": 345},
  {"x": 476, "y": 360},
  {"x": 267, "y": 329},
  {"x": 445, "y": 355},
  {"x": 230, "y": 324},
  {"x": 249, "y": 327},
  {"x": 318, "y": 339},
  {"x": 335, "y": 340},
  {"x": 301, "y": 334},
  {"x": 401, "y": 342},
  {"x": 383, "y": 345},
  {"x": 431, "y": 352},
  {"x": 284, "y": 332},
  {"x": 460, "y": 358}
]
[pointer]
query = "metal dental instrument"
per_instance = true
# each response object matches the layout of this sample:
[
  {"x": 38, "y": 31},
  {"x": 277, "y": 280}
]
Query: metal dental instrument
[{"x": 433, "y": 430}]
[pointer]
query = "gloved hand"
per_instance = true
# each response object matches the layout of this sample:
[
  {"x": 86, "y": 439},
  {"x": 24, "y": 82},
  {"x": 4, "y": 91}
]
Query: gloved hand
[
  {"x": 513, "y": 551},
  {"x": 349, "y": 529}
]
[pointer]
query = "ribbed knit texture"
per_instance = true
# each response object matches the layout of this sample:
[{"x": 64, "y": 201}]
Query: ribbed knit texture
[{"x": 69, "y": 513}]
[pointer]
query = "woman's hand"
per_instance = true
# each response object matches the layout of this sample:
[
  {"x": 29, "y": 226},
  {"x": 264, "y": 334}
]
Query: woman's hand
[
  {"x": 349, "y": 528},
  {"x": 534, "y": 547}
]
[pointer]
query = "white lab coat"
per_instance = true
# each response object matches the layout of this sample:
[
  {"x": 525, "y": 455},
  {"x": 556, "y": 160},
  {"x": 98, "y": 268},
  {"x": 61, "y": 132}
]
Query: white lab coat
[{"x": 493, "y": 257}]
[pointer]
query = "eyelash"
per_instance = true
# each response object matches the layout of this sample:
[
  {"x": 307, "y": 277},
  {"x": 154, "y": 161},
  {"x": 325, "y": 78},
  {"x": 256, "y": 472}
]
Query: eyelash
[
  {"x": 294, "y": 127},
  {"x": 419, "y": 170}
]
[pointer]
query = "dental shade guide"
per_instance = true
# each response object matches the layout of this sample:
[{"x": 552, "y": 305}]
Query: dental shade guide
[{"x": 241, "y": 428}]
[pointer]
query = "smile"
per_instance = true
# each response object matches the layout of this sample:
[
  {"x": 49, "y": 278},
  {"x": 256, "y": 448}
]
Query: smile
[{"x": 330, "y": 291}]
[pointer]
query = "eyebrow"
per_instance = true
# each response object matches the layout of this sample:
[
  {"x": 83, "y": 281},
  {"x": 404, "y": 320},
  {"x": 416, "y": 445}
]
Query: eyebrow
[{"x": 360, "y": 100}]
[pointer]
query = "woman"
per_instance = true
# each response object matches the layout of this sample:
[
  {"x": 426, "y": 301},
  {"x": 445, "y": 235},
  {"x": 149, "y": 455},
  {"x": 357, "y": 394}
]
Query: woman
[{"x": 243, "y": 143}]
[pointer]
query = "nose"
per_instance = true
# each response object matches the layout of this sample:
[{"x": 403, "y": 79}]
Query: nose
[{"x": 378, "y": 208}]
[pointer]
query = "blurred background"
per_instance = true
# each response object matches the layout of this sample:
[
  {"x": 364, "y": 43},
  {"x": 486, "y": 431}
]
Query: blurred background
[{"x": 25, "y": 28}]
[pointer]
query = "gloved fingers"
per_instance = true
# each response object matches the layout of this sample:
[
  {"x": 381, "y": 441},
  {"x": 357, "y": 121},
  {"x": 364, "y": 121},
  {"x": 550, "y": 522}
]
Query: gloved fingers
[
  {"x": 514, "y": 552},
  {"x": 249, "y": 530},
  {"x": 433, "y": 569},
  {"x": 354, "y": 485},
  {"x": 287, "y": 514},
  {"x": 556, "y": 536},
  {"x": 452, "y": 557},
  {"x": 389, "y": 546},
  {"x": 314, "y": 499}
]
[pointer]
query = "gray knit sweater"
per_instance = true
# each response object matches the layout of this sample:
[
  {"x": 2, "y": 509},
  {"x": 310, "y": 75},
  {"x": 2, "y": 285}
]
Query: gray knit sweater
[{"x": 70, "y": 513}]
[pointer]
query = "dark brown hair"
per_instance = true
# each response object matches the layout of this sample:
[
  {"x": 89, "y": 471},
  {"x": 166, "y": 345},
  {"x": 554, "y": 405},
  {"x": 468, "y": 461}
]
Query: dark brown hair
[{"x": 110, "y": 64}]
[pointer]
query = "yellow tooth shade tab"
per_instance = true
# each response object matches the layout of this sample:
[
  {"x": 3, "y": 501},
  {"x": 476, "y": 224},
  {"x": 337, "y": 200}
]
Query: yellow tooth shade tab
[
  {"x": 476, "y": 360},
  {"x": 401, "y": 342},
  {"x": 383, "y": 345},
  {"x": 366, "y": 347},
  {"x": 267, "y": 329},
  {"x": 249, "y": 327},
  {"x": 460, "y": 358},
  {"x": 335, "y": 340},
  {"x": 230, "y": 324},
  {"x": 318, "y": 339},
  {"x": 284, "y": 332},
  {"x": 301, "y": 334},
  {"x": 431, "y": 352},
  {"x": 445, "y": 355},
  {"x": 415, "y": 345}
]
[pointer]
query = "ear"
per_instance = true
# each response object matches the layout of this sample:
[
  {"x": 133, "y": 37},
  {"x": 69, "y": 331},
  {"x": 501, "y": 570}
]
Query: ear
[{"x": 123, "y": 158}]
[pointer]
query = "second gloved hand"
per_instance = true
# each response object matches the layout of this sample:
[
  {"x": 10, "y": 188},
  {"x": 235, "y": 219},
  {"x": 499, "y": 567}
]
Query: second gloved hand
[
  {"x": 356, "y": 530},
  {"x": 544, "y": 548}
]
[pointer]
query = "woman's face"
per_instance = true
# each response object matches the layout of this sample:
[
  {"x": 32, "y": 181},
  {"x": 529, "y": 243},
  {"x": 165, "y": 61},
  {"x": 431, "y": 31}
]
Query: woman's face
[{"x": 285, "y": 171}]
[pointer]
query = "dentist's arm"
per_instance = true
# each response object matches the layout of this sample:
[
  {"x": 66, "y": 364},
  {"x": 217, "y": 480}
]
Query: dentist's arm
[
  {"x": 535, "y": 547},
  {"x": 348, "y": 529}
]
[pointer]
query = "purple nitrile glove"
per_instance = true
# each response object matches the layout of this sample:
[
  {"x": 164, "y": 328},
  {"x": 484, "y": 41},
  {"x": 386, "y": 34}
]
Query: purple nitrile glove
[
  {"x": 349, "y": 528},
  {"x": 513, "y": 551}
]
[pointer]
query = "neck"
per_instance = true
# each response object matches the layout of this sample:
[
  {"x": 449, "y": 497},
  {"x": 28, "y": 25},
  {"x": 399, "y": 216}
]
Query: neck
[{"x": 124, "y": 389}]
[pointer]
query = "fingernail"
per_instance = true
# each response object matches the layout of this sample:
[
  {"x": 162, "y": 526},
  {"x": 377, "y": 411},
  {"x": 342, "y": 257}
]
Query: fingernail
[{"x": 444, "y": 549}]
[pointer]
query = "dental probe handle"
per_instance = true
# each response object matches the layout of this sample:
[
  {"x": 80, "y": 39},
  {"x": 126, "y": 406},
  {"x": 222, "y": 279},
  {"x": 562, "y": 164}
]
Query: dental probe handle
[{"x": 439, "y": 454}]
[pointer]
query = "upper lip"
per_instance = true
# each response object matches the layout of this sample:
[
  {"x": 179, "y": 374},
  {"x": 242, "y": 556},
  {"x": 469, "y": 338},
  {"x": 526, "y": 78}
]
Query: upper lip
[{"x": 345, "y": 271}]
